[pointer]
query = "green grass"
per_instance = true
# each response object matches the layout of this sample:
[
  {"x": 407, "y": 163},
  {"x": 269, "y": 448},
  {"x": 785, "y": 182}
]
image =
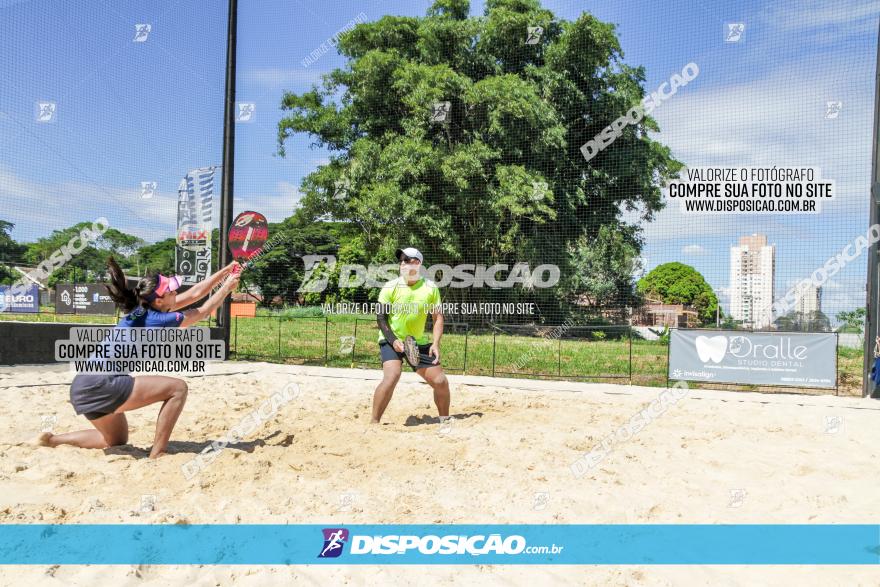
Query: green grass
[
  {"x": 47, "y": 314},
  {"x": 351, "y": 341},
  {"x": 304, "y": 336},
  {"x": 64, "y": 318},
  {"x": 849, "y": 370}
]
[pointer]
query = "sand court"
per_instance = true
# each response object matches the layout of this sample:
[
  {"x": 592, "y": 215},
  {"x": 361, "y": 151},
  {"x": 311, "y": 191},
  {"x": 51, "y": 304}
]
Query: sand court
[{"x": 713, "y": 457}]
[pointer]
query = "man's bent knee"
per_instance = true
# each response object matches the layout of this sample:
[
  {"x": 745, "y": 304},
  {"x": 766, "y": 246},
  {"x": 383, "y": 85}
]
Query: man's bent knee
[
  {"x": 390, "y": 379},
  {"x": 435, "y": 379}
]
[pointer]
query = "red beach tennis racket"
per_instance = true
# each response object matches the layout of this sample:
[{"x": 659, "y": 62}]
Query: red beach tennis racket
[{"x": 247, "y": 235}]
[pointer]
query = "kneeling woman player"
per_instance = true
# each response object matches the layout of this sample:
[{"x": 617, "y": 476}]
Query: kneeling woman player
[{"x": 104, "y": 399}]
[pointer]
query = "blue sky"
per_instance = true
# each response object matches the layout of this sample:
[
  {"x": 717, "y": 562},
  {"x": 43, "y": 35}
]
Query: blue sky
[{"x": 129, "y": 112}]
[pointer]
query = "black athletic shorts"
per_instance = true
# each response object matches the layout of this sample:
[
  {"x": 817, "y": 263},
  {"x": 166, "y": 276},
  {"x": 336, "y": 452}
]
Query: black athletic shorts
[
  {"x": 96, "y": 395},
  {"x": 387, "y": 352}
]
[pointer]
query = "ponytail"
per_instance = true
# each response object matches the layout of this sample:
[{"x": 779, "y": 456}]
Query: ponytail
[{"x": 126, "y": 298}]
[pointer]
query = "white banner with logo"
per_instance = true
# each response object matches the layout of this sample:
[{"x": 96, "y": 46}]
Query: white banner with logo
[
  {"x": 795, "y": 359},
  {"x": 195, "y": 198}
]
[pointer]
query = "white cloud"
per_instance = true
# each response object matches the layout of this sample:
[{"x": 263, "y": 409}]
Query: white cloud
[
  {"x": 826, "y": 21},
  {"x": 289, "y": 191},
  {"x": 775, "y": 120},
  {"x": 694, "y": 250},
  {"x": 278, "y": 78},
  {"x": 37, "y": 208},
  {"x": 276, "y": 207}
]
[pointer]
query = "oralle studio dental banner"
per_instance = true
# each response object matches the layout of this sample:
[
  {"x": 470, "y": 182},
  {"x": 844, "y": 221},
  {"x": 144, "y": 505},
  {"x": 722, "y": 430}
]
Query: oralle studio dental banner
[{"x": 760, "y": 358}]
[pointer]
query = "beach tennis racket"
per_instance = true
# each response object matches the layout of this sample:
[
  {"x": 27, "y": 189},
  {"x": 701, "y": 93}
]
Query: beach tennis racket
[
  {"x": 411, "y": 351},
  {"x": 247, "y": 235}
]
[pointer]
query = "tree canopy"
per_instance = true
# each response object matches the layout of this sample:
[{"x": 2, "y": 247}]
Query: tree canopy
[
  {"x": 677, "y": 283},
  {"x": 853, "y": 320},
  {"x": 10, "y": 251},
  {"x": 452, "y": 134}
]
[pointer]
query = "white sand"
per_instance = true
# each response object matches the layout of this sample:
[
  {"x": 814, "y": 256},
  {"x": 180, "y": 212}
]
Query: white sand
[{"x": 714, "y": 457}]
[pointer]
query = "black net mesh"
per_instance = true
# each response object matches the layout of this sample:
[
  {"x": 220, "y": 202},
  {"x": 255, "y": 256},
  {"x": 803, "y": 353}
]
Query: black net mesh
[{"x": 554, "y": 169}]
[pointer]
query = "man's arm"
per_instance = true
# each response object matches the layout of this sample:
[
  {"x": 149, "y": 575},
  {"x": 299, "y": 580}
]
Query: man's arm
[
  {"x": 437, "y": 331},
  {"x": 382, "y": 320},
  {"x": 437, "y": 318}
]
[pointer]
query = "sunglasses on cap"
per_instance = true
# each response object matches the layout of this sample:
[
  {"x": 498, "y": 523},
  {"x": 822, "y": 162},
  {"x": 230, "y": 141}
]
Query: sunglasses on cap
[{"x": 166, "y": 284}]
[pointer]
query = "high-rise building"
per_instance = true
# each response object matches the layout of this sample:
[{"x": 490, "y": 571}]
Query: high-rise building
[
  {"x": 809, "y": 298},
  {"x": 752, "y": 279}
]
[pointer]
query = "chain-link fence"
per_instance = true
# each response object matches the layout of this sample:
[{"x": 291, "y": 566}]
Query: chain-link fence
[{"x": 576, "y": 188}]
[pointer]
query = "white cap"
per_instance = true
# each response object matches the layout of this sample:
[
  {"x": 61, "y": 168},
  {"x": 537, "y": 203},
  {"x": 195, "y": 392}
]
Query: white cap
[{"x": 409, "y": 252}]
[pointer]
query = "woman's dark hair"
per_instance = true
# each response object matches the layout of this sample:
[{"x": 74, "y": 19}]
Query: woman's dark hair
[{"x": 126, "y": 298}]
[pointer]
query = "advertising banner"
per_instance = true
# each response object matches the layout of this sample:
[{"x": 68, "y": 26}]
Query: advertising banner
[
  {"x": 194, "y": 223},
  {"x": 797, "y": 359},
  {"x": 83, "y": 298},
  {"x": 27, "y": 302}
]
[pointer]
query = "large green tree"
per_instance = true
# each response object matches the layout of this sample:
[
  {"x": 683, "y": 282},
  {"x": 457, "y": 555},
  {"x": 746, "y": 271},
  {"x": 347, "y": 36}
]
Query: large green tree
[
  {"x": 8, "y": 247},
  {"x": 677, "y": 283},
  {"x": 155, "y": 257},
  {"x": 499, "y": 178},
  {"x": 90, "y": 263},
  {"x": 83, "y": 266},
  {"x": 10, "y": 252}
]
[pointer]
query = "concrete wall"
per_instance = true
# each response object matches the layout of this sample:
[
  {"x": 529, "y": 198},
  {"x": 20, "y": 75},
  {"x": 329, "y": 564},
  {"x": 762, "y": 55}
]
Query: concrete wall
[{"x": 34, "y": 342}]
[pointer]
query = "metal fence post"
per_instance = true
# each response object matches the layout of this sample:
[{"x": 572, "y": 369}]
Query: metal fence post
[
  {"x": 872, "y": 315},
  {"x": 630, "y": 336},
  {"x": 466, "y": 334},
  {"x": 668, "y": 344},
  {"x": 836, "y": 363},
  {"x": 354, "y": 344},
  {"x": 559, "y": 356},
  {"x": 493, "y": 351}
]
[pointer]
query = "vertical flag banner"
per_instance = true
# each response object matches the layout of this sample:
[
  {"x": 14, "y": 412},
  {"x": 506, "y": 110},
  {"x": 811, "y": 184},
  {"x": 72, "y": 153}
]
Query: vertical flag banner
[{"x": 194, "y": 223}]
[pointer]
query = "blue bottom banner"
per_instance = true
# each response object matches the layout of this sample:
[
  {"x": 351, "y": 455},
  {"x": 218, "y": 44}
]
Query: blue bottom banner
[{"x": 459, "y": 544}]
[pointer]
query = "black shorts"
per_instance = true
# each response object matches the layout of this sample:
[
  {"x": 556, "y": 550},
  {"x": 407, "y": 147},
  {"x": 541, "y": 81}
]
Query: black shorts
[
  {"x": 96, "y": 395},
  {"x": 387, "y": 352}
]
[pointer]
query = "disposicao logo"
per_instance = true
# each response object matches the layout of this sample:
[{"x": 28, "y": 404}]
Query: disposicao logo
[
  {"x": 431, "y": 544},
  {"x": 334, "y": 540},
  {"x": 394, "y": 544},
  {"x": 711, "y": 348}
]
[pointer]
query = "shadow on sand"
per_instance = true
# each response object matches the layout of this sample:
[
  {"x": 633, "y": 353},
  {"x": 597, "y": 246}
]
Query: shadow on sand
[
  {"x": 426, "y": 419},
  {"x": 185, "y": 446}
]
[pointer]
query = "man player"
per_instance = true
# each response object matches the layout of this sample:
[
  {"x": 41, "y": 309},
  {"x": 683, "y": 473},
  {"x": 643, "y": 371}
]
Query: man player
[{"x": 404, "y": 306}]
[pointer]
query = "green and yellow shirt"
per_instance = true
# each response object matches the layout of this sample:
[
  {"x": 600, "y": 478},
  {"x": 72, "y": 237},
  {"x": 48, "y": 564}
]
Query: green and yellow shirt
[{"x": 419, "y": 299}]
